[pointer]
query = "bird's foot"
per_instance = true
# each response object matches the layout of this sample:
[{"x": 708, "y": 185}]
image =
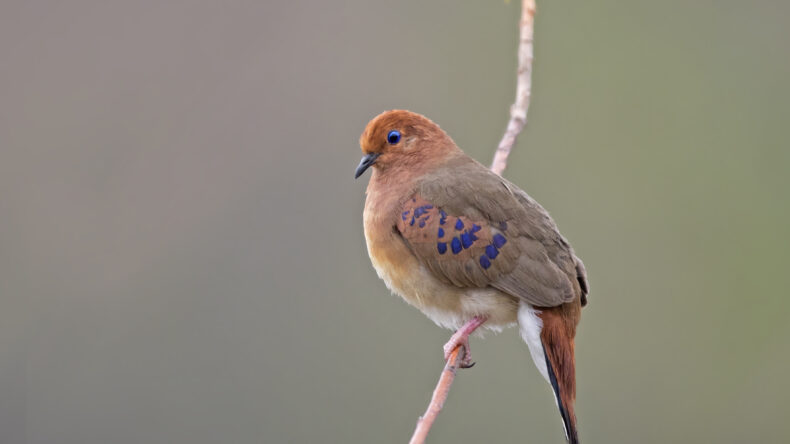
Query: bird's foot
[
  {"x": 461, "y": 338},
  {"x": 455, "y": 341}
]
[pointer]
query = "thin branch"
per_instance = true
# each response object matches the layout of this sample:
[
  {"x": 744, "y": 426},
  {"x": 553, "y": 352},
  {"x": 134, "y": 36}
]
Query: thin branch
[
  {"x": 518, "y": 119},
  {"x": 439, "y": 396},
  {"x": 518, "y": 111}
]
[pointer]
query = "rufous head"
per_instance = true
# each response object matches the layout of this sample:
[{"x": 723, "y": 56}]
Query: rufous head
[{"x": 404, "y": 139}]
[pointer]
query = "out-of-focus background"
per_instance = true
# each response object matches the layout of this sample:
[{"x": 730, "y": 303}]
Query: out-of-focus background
[{"x": 181, "y": 247}]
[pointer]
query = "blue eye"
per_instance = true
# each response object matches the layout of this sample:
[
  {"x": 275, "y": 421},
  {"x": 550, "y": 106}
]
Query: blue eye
[{"x": 393, "y": 137}]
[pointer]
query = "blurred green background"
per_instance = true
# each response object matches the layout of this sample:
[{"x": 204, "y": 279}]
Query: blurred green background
[{"x": 182, "y": 257}]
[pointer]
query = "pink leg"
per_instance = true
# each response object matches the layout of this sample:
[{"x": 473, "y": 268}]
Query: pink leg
[{"x": 461, "y": 337}]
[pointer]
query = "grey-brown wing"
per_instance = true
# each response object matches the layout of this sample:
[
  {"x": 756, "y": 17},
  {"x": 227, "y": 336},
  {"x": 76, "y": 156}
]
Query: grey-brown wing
[{"x": 515, "y": 247}]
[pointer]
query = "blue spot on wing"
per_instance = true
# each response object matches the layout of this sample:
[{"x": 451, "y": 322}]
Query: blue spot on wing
[
  {"x": 441, "y": 232},
  {"x": 443, "y": 217},
  {"x": 459, "y": 224},
  {"x": 412, "y": 221},
  {"x": 405, "y": 214},
  {"x": 456, "y": 245},
  {"x": 442, "y": 247},
  {"x": 422, "y": 223},
  {"x": 491, "y": 251},
  {"x": 475, "y": 228},
  {"x": 499, "y": 240},
  {"x": 466, "y": 240},
  {"x": 484, "y": 262}
]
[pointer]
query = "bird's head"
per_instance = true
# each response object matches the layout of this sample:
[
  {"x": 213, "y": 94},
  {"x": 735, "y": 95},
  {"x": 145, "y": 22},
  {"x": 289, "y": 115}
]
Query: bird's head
[{"x": 400, "y": 139}]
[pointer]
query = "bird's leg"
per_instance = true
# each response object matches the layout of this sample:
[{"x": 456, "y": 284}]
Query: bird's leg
[{"x": 461, "y": 337}]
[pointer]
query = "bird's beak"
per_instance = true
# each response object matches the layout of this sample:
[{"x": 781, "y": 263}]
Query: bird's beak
[{"x": 365, "y": 163}]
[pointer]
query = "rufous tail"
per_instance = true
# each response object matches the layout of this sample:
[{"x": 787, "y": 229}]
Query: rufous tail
[{"x": 561, "y": 368}]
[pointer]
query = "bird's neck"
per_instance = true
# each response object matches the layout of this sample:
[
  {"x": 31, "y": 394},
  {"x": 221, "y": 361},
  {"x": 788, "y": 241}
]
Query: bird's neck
[
  {"x": 391, "y": 186},
  {"x": 387, "y": 191}
]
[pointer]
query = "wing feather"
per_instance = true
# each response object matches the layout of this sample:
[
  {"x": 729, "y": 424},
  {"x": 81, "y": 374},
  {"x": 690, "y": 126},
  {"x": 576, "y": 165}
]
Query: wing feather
[{"x": 472, "y": 228}]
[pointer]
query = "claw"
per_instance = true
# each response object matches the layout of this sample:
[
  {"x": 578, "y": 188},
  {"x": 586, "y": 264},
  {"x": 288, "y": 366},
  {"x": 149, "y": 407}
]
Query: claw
[{"x": 461, "y": 337}]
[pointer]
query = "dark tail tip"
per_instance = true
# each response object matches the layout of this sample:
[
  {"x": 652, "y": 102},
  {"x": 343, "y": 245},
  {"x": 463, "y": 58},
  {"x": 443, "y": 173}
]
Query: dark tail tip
[{"x": 567, "y": 416}]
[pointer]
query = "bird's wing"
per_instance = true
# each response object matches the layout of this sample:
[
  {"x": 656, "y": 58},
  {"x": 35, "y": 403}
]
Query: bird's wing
[{"x": 472, "y": 228}]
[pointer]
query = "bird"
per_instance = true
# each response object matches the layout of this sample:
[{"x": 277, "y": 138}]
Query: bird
[{"x": 470, "y": 249}]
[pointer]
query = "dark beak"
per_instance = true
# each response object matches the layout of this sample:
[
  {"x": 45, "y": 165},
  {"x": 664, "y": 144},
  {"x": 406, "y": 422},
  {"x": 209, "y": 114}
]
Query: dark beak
[{"x": 366, "y": 162}]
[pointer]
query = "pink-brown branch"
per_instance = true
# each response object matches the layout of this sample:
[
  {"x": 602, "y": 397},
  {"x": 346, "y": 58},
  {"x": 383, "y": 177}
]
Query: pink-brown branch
[
  {"x": 518, "y": 111},
  {"x": 518, "y": 119},
  {"x": 440, "y": 393}
]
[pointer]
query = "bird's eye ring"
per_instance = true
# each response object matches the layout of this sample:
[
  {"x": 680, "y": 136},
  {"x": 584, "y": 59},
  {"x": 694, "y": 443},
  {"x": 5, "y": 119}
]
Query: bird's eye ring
[{"x": 393, "y": 137}]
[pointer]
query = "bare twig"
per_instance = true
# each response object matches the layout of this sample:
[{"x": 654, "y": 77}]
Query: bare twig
[
  {"x": 439, "y": 396},
  {"x": 518, "y": 111},
  {"x": 518, "y": 119}
]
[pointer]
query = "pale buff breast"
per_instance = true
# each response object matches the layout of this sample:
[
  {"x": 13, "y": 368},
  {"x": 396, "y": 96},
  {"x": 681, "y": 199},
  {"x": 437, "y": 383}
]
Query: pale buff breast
[{"x": 446, "y": 305}]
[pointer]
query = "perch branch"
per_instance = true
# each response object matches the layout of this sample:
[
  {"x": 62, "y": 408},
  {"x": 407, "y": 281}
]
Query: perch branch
[
  {"x": 518, "y": 119},
  {"x": 518, "y": 111},
  {"x": 440, "y": 393}
]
